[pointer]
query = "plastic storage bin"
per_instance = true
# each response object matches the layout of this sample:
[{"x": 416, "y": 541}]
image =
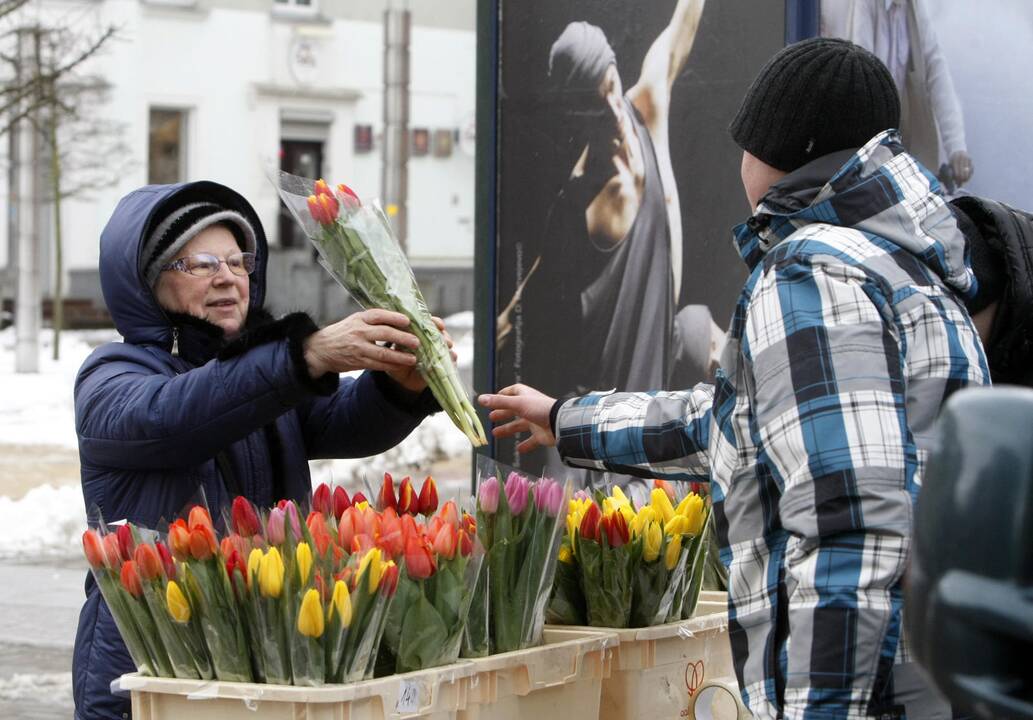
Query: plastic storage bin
[
  {"x": 561, "y": 679},
  {"x": 435, "y": 694}
]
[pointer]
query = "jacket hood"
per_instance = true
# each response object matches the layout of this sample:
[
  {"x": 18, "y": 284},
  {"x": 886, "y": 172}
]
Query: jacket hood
[
  {"x": 880, "y": 190},
  {"x": 131, "y": 302}
]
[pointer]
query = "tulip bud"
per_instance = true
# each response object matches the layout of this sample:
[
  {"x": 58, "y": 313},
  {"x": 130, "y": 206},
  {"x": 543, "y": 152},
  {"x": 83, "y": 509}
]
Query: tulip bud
[
  {"x": 389, "y": 579},
  {"x": 274, "y": 530},
  {"x": 291, "y": 511},
  {"x": 390, "y": 539},
  {"x": 321, "y": 188},
  {"x": 359, "y": 498},
  {"x": 237, "y": 573},
  {"x": 322, "y": 500},
  {"x": 270, "y": 574},
  {"x": 202, "y": 542},
  {"x": 310, "y": 615},
  {"x": 254, "y": 564},
  {"x": 147, "y": 562},
  {"x": 444, "y": 543},
  {"x": 340, "y": 603},
  {"x": 341, "y": 502},
  {"x": 517, "y": 489},
  {"x": 371, "y": 560},
  {"x": 661, "y": 504},
  {"x": 449, "y": 514},
  {"x": 303, "y": 557},
  {"x": 667, "y": 487},
  {"x": 419, "y": 561},
  {"x": 488, "y": 495},
  {"x": 179, "y": 539},
  {"x": 590, "y": 523},
  {"x": 677, "y": 525},
  {"x": 348, "y": 194},
  {"x": 319, "y": 531},
  {"x": 167, "y": 563},
  {"x": 652, "y": 539},
  {"x": 130, "y": 579},
  {"x": 199, "y": 516},
  {"x": 566, "y": 554},
  {"x": 408, "y": 500},
  {"x": 465, "y": 543},
  {"x": 179, "y": 608},
  {"x": 386, "y": 499},
  {"x": 126, "y": 542},
  {"x": 93, "y": 548},
  {"x": 616, "y": 530},
  {"x": 112, "y": 554},
  {"x": 244, "y": 518},
  {"x": 673, "y": 552},
  {"x": 469, "y": 523},
  {"x": 428, "y": 497}
]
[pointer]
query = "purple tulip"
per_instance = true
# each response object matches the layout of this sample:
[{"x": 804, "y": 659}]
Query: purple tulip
[
  {"x": 488, "y": 495},
  {"x": 292, "y": 515},
  {"x": 274, "y": 526},
  {"x": 517, "y": 487},
  {"x": 548, "y": 496}
]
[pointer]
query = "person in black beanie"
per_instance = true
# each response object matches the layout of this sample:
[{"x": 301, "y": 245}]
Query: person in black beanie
[
  {"x": 848, "y": 336},
  {"x": 208, "y": 396},
  {"x": 1000, "y": 240}
]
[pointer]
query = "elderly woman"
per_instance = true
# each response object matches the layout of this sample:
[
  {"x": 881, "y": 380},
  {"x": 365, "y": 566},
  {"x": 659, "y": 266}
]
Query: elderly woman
[{"x": 208, "y": 393}]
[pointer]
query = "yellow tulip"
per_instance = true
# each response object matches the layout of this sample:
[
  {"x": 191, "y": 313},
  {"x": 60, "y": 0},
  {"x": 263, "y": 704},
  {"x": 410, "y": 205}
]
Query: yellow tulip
[
  {"x": 341, "y": 602},
  {"x": 652, "y": 540},
  {"x": 673, "y": 552},
  {"x": 638, "y": 524},
  {"x": 373, "y": 562},
  {"x": 619, "y": 497},
  {"x": 661, "y": 504},
  {"x": 303, "y": 555},
  {"x": 254, "y": 562},
  {"x": 179, "y": 608},
  {"x": 694, "y": 509},
  {"x": 610, "y": 505},
  {"x": 677, "y": 525},
  {"x": 566, "y": 554},
  {"x": 310, "y": 615},
  {"x": 628, "y": 513},
  {"x": 270, "y": 574}
]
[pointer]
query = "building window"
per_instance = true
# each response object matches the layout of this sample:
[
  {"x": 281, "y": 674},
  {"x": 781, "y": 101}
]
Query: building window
[
  {"x": 304, "y": 158},
  {"x": 166, "y": 146}
]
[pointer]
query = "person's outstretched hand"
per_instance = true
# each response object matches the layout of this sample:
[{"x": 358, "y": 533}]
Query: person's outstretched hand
[
  {"x": 961, "y": 165},
  {"x": 521, "y": 409},
  {"x": 366, "y": 340}
]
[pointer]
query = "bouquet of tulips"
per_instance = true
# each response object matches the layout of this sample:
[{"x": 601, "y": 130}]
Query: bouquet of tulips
[
  {"x": 622, "y": 566},
  {"x": 357, "y": 247},
  {"x": 519, "y": 522},
  {"x": 440, "y": 559}
]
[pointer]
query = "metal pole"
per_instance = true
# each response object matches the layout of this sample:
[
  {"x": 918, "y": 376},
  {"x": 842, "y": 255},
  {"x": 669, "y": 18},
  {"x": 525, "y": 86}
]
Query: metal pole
[
  {"x": 28, "y": 310},
  {"x": 395, "y": 174}
]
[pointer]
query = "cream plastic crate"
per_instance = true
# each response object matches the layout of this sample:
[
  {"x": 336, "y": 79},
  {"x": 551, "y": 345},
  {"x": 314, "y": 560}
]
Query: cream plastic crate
[
  {"x": 434, "y": 694},
  {"x": 657, "y": 671},
  {"x": 561, "y": 679}
]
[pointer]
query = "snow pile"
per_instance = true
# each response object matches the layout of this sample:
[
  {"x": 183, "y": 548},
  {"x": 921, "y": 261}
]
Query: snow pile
[
  {"x": 43, "y": 688},
  {"x": 47, "y": 521}
]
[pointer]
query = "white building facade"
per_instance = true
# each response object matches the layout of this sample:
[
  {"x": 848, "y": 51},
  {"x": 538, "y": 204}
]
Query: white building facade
[{"x": 227, "y": 90}]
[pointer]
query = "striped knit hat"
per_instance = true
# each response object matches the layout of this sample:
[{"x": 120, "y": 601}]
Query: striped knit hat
[
  {"x": 813, "y": 98},
  {"x": 183, "y": 224}
]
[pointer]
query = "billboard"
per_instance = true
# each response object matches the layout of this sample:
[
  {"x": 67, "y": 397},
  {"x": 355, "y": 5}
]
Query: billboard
[{"x": 616, "y": 186}]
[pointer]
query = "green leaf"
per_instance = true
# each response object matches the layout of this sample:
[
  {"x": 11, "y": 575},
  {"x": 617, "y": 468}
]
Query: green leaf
[{"x": 423, "y": 635}]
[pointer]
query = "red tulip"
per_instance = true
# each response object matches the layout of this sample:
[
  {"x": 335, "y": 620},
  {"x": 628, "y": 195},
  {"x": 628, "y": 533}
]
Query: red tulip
[
  {"x": 409, "y": 528},
  {"x": 112, "y": 555},
  {"x": 386, "y": 499},
  {"x": 199, "y": 516},
  {"x": 341, "y": 502},
  {"x": 94, "y": 549},
  {"x": 390, "y": 538},
  {"x": 469, "y": 523},
  {"x": 465, "y": 543},
  {"x": 321, "y": 586},
  {"x": 449, "y": 513},
  {"x": 323, "y": 499},
  {"x": 323, "y": 208},
  {"x": 148, "y": 562},
  {"x": 166, "y": 560},
  {"x": 244, "y": 518},
  {"x": 236, "y": 569},
  {"x": 349, "y": 526},
  {"x": 389, "y": 580},
  {"x": 130, "y": 579},
  {"x": 282, "y": 503},
  {"x": 408, "y": 500},
  {"x": 202, "y": 542},
  {"x": 428, "y": 496},
  {"x": 348, "y": 194},
  {"x": 179, "y": 539},
  {"x": 434, "y": 525},
  {"x": 445, "y": 542},
  {"x": 616, "y": 529},
  {"x": 126, "y": 543},
  {"x": 359, "y": 498},
  {"x": 590, "y": 523},
  {"x": 419, "y": 561},
  {"x": 321, "y": 188},
  {"x": 235, "y": 542},
  {"x": 320, "y": 533}
]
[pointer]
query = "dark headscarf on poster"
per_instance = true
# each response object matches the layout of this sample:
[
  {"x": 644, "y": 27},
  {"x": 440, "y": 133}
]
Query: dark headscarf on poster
[{"x": 577, "y": 62}]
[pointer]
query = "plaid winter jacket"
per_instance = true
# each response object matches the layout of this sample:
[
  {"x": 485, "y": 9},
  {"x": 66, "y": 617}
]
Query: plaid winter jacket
[{"x": 847, "y": 338}]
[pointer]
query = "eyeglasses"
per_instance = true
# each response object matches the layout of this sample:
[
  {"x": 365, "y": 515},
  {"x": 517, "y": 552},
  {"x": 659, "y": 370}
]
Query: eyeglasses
[{"x": 206, "y": 265}]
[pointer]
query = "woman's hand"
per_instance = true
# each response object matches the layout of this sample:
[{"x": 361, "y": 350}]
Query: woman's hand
[
  {"x": 522, "y": 409},
  {"x": 410, "y": 377},
  {"x": 354, "y": 344}
]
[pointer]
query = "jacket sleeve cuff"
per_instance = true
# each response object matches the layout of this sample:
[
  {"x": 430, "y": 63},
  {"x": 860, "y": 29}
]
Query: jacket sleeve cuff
[
  {"x": 553, "y": 413},
  {"x": 417, "y": 403},
  {"x": 293, "y": 328}
]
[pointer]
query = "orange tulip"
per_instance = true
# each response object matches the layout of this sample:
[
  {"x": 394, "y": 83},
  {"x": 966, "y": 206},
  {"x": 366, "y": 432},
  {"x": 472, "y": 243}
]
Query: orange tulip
[
  {"x": 445, "y": 542},
  {"x": 321, "y": 188},
  {"x": 235, "y": 542},
  {"x": 349, "y": 526},
  {"x": 148, "y": 562},
  {"x": 202, "y": 542},
  {"x": 419, "y": 561},
  {"x": 449, "y": 513},
  {"x": 465, "y": 543},
  {"x": 130, "y": 579},
  {"x": 409, "y": 528},
  {"x": 179, "y": 539},
  {"x": 93, "y": 547},
  {"x": 362, "y": 544},
  {"x": 199, "y": 516},
  {"x": 320, "y": 533},
  {"x": 112, "y": 555},
  {"x": 389, "y": 580},
  {"x": 390, "y": 538},
  {"x": 434, "y": 525}
]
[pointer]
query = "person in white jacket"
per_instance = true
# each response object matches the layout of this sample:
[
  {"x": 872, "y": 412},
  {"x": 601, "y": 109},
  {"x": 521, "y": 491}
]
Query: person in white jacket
[{"x": 900, "y": 34}]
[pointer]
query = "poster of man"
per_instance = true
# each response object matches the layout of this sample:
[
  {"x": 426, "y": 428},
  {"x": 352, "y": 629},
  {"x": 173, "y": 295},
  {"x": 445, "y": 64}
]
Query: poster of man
[{"x": 619, "y": 188}]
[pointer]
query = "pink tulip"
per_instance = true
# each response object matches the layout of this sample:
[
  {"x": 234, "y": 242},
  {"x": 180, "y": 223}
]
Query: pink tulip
[
  {"x": 517, "y": 488},
  {"x": 488, "y": 495},
  {"x": 548, "y": 496},
  {"x": 274, "y": 527},
  {"x": 295, "y": 520}
]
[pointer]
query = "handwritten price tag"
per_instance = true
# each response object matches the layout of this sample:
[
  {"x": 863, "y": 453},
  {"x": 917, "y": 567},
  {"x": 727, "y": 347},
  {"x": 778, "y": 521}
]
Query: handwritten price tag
[{"x": 408, "y": 698}]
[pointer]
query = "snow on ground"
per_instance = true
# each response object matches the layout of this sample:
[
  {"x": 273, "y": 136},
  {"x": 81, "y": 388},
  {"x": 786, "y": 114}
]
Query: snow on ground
[{"x": 36, "y": 410}]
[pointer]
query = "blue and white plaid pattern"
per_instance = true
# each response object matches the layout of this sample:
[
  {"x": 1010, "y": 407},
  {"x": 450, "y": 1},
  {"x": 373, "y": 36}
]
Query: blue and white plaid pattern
[{"x": 847, "y": 339}]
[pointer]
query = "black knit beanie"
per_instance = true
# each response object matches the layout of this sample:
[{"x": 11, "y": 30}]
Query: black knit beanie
[
  {"x": 813, "y": 98},
  {"x": 183, "y": 223}
]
